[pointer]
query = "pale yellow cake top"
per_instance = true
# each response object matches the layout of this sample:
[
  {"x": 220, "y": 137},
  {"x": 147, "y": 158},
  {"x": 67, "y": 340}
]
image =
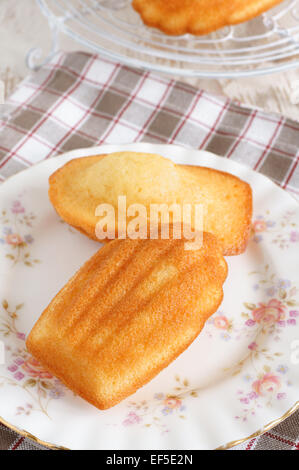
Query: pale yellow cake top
[{"x": 141, "y": 178}]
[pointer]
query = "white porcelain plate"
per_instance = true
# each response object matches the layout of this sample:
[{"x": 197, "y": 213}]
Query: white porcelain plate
[{"x": 240, "y": 376}]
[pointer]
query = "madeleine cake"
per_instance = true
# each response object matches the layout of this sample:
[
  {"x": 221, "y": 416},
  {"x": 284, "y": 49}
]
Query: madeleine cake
[
  {"x": 126, "y": 314},
  {"x": 81, "y": 185},
  {"x": 177, "y": 17}
]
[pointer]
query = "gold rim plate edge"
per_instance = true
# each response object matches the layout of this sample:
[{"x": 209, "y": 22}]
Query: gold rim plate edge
[
  {"x": 266, "y": 428},
  {"x": 229, "y": 445},
  {"x": 28, "y": 435}
]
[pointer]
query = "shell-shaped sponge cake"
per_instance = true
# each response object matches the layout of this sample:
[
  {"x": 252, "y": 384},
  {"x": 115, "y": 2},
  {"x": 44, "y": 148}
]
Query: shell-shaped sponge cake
[
  {"x": 81, "y": 185},
  {"x": 127, "y": 313},
  {"x": 176, "y": 17}
]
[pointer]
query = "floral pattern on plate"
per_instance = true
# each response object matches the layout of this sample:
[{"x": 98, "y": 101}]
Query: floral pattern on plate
[
  {"x": 264, "y": 386},
  {"x": 24, "y": 370},
  {"x": 153, "y": 412},
  {"x": 283, "y": 232},
  {"x": 16, "y": 233},
  {"x": 268, "y": 379}
]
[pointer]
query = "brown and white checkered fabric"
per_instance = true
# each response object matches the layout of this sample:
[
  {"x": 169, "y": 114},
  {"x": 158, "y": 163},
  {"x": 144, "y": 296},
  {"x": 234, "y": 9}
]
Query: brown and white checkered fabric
[{"x": 80, "y": 100}]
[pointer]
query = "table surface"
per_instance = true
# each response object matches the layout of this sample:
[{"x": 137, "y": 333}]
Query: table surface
[{"x": 22, "y": 26}]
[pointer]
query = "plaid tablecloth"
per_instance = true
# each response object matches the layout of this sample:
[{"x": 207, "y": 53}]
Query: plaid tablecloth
[{"x": 80, "y": 100}]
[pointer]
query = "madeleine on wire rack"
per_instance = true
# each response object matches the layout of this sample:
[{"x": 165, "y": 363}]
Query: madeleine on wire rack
[{"x": 177, "y": 17}]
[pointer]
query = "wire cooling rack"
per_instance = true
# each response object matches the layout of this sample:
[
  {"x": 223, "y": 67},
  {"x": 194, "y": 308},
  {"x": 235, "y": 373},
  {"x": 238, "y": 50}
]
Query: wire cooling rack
[{"x": 267, "y": 44}]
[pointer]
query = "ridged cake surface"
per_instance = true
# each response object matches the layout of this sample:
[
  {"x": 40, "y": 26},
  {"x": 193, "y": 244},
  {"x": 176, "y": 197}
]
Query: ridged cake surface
[{"x": 127, "y": 313}]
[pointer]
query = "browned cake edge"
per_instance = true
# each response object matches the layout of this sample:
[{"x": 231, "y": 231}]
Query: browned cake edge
[{"x": 235, "y": 249}]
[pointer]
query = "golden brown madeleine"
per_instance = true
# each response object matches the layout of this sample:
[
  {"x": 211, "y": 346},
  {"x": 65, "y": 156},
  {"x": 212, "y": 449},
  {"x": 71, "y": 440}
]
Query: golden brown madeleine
[
  {"x": 176, "y": 17},
  {"x": 126, "y": 314},
  {"x": 82, "y": 184}
]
